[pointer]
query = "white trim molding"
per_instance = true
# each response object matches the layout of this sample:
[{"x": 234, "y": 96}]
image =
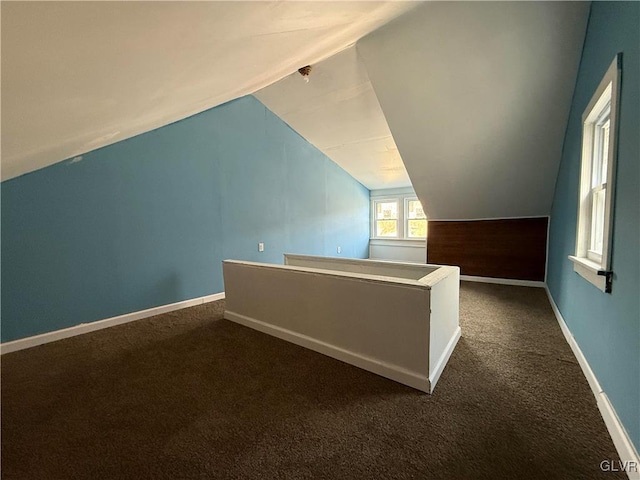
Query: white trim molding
[
  {"x": 43, "y": 338},
  {"x": 626, "y": 450},
  {"x": 486, "y": 218},
  {"x": 589, "y": 270},
  {"x": 392, "y": 192},
  {"x": 502, "y": 281},
  {"x": 597, "y": 180},
  {"x": 401, "y": 197}
]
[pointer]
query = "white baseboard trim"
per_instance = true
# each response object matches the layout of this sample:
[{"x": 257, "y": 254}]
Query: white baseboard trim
[
  {"x": 43, "y": 338},
  {"x": 444, "y": 358},
  {"x": 387, "y": 370},
  {"x": 626, "y": 450},
  {"x": 502, "y": 281}
]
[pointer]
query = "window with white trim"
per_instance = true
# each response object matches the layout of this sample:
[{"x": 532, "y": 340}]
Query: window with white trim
[
  {"x": 592, "y": 259},
  {"x": 398, "y": 217},
  {"x": 416, "y": 220},
  {"x": 386, "y": 218}
]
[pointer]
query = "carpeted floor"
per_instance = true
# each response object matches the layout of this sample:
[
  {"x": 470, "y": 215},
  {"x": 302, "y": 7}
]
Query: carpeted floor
[{"x": 187, "y": 395}]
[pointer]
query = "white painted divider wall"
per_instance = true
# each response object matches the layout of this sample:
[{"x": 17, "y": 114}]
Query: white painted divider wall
[{"x": 397, "y": 320}]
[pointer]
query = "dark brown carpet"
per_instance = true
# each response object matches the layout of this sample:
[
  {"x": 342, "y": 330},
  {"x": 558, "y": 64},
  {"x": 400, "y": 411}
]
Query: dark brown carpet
[{"x": 187, "y": 395}]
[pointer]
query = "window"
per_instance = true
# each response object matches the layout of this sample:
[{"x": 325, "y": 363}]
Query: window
[
  {"x": 416, "y": 219},
  {"x": 400, "y": 217},
  {"x": 387, "y": 218},
  {"x": 595, "y": 202}
]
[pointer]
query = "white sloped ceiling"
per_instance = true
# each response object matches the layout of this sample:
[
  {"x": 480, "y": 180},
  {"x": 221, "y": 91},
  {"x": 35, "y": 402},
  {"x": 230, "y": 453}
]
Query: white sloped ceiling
[
  {"x": 338, "y": 112},
  {"x": 477, "y": 96},
  {"x": 81, "y": 75}
]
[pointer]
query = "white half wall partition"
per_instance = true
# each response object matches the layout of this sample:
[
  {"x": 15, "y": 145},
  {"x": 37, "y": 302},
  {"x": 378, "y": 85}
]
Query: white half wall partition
[{"x": 397, "y": 320}]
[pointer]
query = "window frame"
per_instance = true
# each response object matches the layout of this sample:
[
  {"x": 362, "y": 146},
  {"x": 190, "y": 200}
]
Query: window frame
[
  {"x": 406, "y": 218},
  {"x": 374, "y": 224},
  {"x": 402, "y": 200},
  {"x": 593, "y": 266}
]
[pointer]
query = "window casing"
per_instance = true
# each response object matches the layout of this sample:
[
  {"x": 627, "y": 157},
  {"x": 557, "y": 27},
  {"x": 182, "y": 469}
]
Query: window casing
[
  {"x": 592, "y": 259},
  {"x": 400, "y": 218},
  {"x": 415, "y": 219},
  {"x": 386, "y": 223}
]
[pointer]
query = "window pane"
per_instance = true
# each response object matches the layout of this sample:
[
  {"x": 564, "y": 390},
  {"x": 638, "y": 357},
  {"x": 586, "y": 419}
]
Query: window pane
[
  {"x": 600, "y": 150},
  {"x": 605, "y": 152},
  {"x": 417, "y": 228},
  {"x": 597, "y": 220},
  {"x": 386, "y": 228},
  {"x": 387, "y": 210},
  {"x": 415, "y": 209}
]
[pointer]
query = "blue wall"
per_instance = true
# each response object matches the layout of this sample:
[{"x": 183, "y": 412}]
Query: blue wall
[
  {"x": 148, "y": 221},
  {"x": 606, "y": 326}
]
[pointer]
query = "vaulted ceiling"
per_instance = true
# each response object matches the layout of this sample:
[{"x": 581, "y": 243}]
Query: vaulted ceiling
[
  {"x": 80, "y": 75},
  {"x": 338, "y": 112},
  {"x": 471, "y": 97},
  {"x": 477, "y": 96}
]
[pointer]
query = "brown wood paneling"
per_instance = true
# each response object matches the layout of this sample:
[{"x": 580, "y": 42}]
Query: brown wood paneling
[{"x": 514, "y": 248}]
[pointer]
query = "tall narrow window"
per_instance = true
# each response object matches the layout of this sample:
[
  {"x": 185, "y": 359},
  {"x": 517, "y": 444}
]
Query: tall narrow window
[
  {"x": 386, "y": 218},
  {"x": 416, "y": 220},
  {"x": 599, "y": 184},
  {"x": 595, "y": 204}
]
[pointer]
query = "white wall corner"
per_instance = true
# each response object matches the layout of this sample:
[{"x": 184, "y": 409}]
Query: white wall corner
[
  {"x": 626, "y": 450},
  {"x": 438, "y": 368}
]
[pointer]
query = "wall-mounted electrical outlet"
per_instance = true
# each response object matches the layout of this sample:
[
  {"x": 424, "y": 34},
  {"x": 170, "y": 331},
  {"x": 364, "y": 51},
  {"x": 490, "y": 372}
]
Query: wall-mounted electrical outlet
[
  {"x": 261, "y": 247},
  {"x": 339, "y": 249}
]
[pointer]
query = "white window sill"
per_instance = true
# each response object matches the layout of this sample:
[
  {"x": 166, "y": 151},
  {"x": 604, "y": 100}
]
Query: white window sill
[{"x": 588, "y": 269}]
